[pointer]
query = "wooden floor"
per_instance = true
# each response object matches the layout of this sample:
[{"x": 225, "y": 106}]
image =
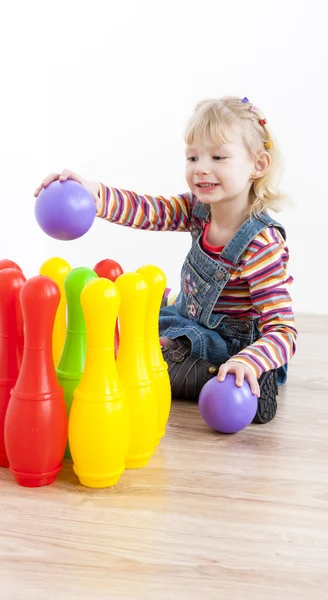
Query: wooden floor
[{"x": 216, "y": 517}]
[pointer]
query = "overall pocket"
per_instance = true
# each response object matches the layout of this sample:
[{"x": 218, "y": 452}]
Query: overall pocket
[
  {"x": 194, "y": 290},
  {"x": 192, "y": 283},
  {"x": 233, "y": 345},
  {"x": 237, "y": 335}
]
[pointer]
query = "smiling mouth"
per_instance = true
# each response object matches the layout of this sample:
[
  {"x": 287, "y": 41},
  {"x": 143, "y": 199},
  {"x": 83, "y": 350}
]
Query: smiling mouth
[{"x": 207, "y": 185}]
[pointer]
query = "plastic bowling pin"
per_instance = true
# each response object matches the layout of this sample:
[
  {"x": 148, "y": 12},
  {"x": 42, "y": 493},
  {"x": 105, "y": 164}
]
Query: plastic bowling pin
[
  {"x": 134, "y": 369},
  {"x": 5, "y": 263},
  {"x": 11, "y": 343},
  {"x": 36, "y": 421},
  {"x": 57, "y": 269},
  {"x": 111, "y": 270},
  {"x": 98, "y": 429},
  {"x": 156, "y": 282},
  {"x": 72, "y": 360}
]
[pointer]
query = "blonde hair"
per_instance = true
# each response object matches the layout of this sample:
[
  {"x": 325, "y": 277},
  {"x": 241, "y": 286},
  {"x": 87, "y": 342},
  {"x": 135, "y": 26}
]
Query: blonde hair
[{"x": 217, "y": 117}]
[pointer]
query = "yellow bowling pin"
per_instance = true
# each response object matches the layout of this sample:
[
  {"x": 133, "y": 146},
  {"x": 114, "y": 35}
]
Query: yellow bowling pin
[
  {"x": 156, "y": 282},
  {"x": 98, "y": 428},
  {"x": 57, "y": 269},
  {"x": 134, "y": 370}
]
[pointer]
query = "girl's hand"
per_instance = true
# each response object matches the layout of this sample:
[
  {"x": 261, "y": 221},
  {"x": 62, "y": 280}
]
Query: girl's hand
[
  {"x": 242, "y": 372},
  {"x": 91, "y": 186}
]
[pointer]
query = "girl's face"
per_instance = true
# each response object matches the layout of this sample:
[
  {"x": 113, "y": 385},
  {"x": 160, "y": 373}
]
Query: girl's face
[{"x": 219, "y": 173}]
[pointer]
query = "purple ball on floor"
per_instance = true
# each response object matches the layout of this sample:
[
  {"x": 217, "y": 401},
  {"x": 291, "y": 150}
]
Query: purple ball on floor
[
  {"x": 65, "y": 210},
  {"x": 225, "y": 407}
]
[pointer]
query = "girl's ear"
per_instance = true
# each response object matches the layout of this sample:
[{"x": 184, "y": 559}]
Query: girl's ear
[{"x": 261, "y": 165}]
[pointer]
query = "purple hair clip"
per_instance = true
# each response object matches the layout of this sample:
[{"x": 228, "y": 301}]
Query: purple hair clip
[{"x": 245, "y": 100}]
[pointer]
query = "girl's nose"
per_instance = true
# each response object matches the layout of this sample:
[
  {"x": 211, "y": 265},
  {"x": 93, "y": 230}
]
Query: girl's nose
[{"x": 202, "y": 168}]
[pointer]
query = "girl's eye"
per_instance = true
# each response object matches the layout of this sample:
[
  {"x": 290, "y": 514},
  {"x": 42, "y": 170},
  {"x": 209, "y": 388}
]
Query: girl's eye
[
  {"x": 218, "y": 157},
  {"x": 192, "y": 158}
]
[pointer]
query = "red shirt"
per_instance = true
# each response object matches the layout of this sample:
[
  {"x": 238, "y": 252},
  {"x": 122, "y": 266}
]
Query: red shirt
[{"x": 213, "y": 251}]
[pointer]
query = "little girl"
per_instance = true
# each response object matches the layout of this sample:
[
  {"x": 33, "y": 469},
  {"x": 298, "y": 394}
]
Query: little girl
[{"x": 233, "y": 313}]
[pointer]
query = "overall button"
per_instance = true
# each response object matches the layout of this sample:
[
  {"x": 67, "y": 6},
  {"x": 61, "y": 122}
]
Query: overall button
[
  {"x": 218, "y": 275},
  {"x": 244, "y": 327},
  {"x": 194, "y": 233}
]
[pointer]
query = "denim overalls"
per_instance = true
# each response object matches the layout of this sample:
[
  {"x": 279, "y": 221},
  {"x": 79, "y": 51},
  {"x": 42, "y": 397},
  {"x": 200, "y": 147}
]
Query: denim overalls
[{"x": 214, "y": 337}]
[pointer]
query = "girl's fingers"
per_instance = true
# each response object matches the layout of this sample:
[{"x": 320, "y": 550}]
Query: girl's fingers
[
  {"x": 51, "y": 177},
  {"x": 239, "y": 372},
  {"x": 253, "y": 383},
  {"x": 66, "y": 174},
  {"x": 38, "y": 190},
  {"x": 223, "y": 370},
  {"x": 63, "y": 176}
]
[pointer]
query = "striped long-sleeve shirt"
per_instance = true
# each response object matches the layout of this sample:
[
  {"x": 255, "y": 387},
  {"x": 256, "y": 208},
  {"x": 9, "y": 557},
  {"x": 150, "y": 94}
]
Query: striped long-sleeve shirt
[{"x": 259, "y": 288}]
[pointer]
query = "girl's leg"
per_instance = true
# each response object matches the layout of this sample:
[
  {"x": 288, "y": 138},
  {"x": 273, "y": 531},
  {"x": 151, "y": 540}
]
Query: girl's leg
[{"x": 188, "y": 373}]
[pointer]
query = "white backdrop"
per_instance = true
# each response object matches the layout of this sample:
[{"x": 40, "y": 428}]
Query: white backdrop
[{"x": 105, "y": 88}]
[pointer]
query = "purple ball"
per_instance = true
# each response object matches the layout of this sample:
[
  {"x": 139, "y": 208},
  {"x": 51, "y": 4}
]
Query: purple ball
[
  {"x": 225, "y": 407},
  {"x": 65, "y": 210}
]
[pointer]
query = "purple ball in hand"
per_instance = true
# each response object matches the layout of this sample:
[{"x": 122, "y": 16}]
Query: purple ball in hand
[
  {"x": 65, "y": 210},
  {"x": 225, "y": 407}
]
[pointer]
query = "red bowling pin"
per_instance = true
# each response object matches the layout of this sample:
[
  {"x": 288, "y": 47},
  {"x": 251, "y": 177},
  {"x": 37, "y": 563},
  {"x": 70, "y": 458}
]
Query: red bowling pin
[
  {"x": 36, "y": 423},
  {"x": 110, "y": 269},
  {"x": 5, "y": 263},
  {"x": 11, "y": 343}
]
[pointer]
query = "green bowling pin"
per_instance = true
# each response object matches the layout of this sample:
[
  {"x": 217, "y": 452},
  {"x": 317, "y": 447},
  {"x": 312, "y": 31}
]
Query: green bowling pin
[{"x": 71, "y": 364}]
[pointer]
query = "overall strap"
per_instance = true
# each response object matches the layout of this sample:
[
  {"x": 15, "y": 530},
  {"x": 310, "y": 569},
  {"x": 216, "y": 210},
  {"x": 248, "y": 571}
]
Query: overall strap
[
  {"x": 201, "y": 211},
  {"x": 234, "y": 250}
]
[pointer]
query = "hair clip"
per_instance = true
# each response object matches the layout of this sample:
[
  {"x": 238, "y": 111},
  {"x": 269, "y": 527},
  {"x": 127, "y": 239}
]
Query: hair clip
[
  {"x": 245, "y": 100},
  {"x": 268, "y": 144},
  {"x": 254, "y": 108},
  {"x": 263, "y": 121}
]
